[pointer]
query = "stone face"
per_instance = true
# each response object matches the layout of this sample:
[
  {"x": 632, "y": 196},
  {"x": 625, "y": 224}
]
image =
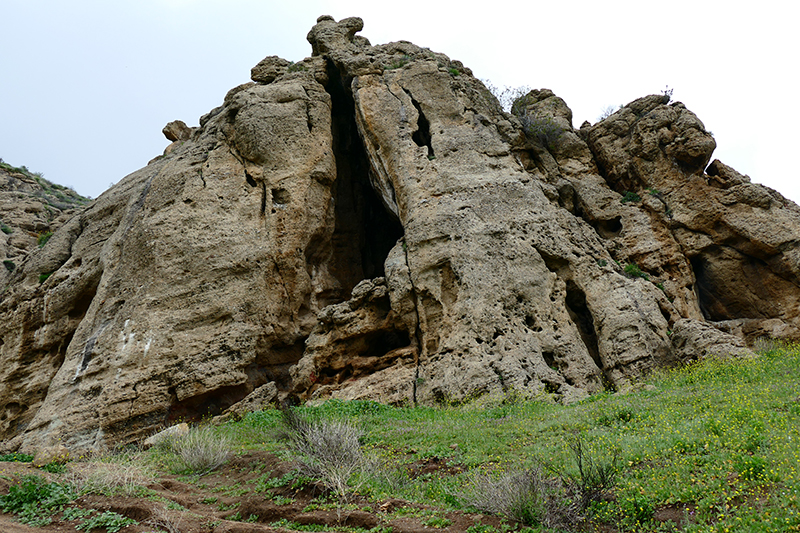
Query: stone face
[{"x": 370, "y": 224}]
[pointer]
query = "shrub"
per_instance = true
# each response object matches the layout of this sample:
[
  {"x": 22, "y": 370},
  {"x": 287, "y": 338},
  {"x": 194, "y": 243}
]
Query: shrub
[
  {"x": 400, "y": 63},
  {"x": 327, "y": 450},
  {"x": 5, "y": 229},
  {"x": 200, "y": 451},
  {"x": 527, "y": 496},
  {"x": 633, "y": 270},
  {"x": 630, "y": 196},
  {"x": 43, "y": 276},
  {"x": 508, "y": 95},
  {"x": 607, "y": 112},
  {"x": 541, "y": 127},
  {"x": 10, "y": 266},
  {"x": 595, "y": 479}
]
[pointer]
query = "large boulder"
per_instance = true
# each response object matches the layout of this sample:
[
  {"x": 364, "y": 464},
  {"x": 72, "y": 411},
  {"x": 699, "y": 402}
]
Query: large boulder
[{"x": 369, "y": 223}]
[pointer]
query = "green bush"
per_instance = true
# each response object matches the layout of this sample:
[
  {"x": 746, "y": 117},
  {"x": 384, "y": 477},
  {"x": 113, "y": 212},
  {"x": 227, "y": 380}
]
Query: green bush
[
  {"x": 5, "y": 229},
  {"x": 10, "y": 266},
  {"x": 542, "y": 128},
  {"x": 43, "y": 276},
  {"x": 596, "y": 477},
  {"x": 630, "y": 196}
]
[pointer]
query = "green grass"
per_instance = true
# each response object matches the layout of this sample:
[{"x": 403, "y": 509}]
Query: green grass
[
  {"x": 716, "y": 439},
  {"x": 719, "y": 438}
]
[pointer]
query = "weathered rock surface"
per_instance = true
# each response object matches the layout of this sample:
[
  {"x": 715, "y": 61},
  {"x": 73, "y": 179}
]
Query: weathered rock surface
[
  {"x": 30, "y": 207},
  {"x": 369, "y": 223}
]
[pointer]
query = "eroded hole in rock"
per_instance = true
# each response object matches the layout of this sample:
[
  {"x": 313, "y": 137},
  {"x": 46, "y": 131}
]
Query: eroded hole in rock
[
  {"x": 718, "y": 269},
  {"x": 280, "y": 197},
  {"x": 608, "y": 229},
  {"x": 705, "y": 289},
  {"x": 582, "y": 317},
  {"x": 554, "y": 264},
  {"x": 550, "y": 360},
  {"x": 422, "y": 137},
  {"x": 532, "y": 323},
  {"x": 364, "y": 230},
  {"x": 82, "y": 303}
]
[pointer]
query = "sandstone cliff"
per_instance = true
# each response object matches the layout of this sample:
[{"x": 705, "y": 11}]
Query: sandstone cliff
[{"x": 369, "y": 223}]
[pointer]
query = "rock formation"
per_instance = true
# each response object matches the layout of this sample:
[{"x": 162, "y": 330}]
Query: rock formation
[{"x": 369, "y": 223}]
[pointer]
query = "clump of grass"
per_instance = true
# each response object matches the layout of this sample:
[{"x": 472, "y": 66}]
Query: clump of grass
[
  {"x": 527, "y": 496},
  {"x": 328, "y": 450},
  {"x": 198, "y": 452},
  {"x": 633, "y": 270},
  {"x": 117, "y": 475},
  {"x": 541, "y": 127},
  {"x": 42, "y": 239},
  {"x": 163, "y": 520}
]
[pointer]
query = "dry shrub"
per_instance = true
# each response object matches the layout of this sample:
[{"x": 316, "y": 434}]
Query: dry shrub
[
  {"x": 200, "y": 451},
  {"x": 110, "y": 476},
  {"x": 527, "y": 496},
  {"x": 328, "y": 450},
  {"x": 163, "y": 520}
]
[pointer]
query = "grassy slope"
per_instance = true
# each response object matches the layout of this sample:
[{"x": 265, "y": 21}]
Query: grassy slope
[
  {"x": 713, "y": 446},
  {"x": 718, "y": 440}
]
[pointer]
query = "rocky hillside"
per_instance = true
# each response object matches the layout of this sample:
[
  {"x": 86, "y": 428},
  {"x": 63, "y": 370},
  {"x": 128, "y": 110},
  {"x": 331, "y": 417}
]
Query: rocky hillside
[
  {"x": 370, "y": 223},
  {"x": 31, "y": 209}
]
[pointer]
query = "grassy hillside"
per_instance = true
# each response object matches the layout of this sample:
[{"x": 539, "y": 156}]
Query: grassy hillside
[{"x": 709, "y": 447}]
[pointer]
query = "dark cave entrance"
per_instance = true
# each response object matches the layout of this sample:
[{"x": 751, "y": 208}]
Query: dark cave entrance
[
  {"x": 364, "y": 231},
  {"x": 582, "y": 317}
]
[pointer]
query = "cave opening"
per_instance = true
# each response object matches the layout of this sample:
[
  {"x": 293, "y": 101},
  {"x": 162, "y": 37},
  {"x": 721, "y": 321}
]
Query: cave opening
[
  {"x": 365, "y": 231},
  {"x": 713, "y": 281},
  {"x": 582, "y": 317}
]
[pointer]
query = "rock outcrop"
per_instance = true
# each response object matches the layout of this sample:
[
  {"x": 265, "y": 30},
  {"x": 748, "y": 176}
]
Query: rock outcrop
[{"x": 369, "y": 223}]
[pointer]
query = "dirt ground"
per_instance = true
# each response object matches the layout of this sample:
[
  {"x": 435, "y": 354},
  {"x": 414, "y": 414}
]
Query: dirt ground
[{"x": 225, "y": 501}]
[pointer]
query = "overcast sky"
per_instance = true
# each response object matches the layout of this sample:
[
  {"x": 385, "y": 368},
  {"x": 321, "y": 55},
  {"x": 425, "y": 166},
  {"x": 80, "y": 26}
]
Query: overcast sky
[{"x": 86, "y": 86}]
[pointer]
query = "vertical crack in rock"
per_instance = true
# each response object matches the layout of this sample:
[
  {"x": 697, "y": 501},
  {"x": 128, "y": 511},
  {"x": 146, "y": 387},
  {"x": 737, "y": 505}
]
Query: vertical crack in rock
[
  {"x": 422, "y": 135},
  {"x": 364, "y": 230},
  {"x": 580, "y": 314}
]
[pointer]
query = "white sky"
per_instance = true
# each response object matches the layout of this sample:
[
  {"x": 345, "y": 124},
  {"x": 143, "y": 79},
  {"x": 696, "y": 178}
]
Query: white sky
[{"x": 86, "y": 86}]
